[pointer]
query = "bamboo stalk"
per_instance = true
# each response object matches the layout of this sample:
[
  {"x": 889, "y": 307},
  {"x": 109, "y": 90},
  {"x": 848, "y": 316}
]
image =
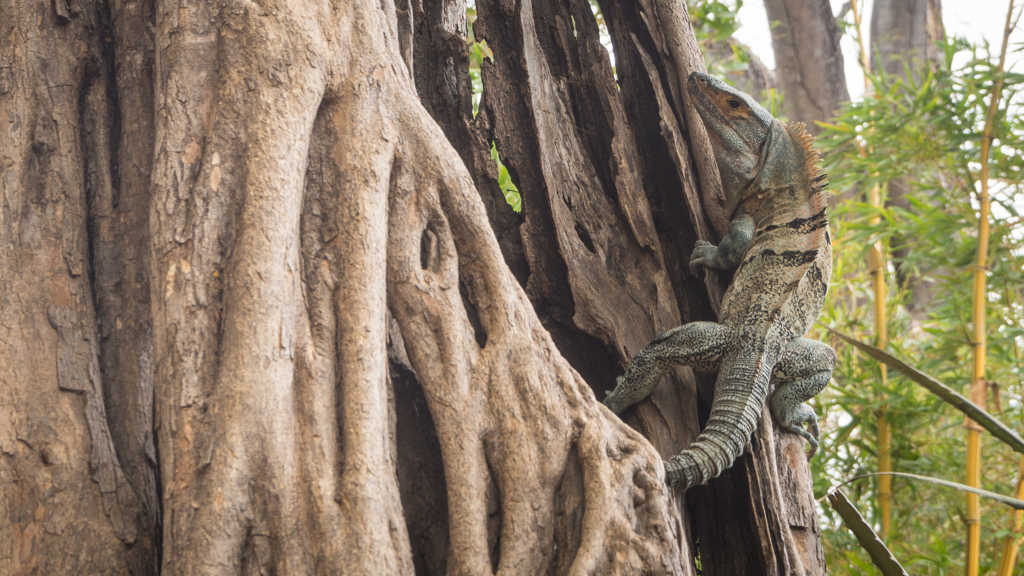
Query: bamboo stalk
[
  {"x": 1011, "y": 544},
  {"x": 876, "y": 262},
  {"x": 869, "y": 541},
  {"x": 864, "y": 62},
  {"x": 979, "y": 386},
  {"x": 877, "y": 267}
]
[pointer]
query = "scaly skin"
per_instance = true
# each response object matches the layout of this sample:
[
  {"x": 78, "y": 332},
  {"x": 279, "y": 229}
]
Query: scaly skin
[{"x": 779, "y": 243}]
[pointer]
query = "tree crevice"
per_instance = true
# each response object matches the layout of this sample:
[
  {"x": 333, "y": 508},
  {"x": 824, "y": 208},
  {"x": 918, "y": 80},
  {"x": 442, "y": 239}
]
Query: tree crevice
[{"x": 304, "y": 332}]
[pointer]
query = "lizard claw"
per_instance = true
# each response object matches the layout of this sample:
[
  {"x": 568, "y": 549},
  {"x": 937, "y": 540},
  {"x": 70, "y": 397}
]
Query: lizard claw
[
  {"x": 703, "y": 255},
  {"x": 814, "y": 445},
  {"x": 618, "y": 382},
  {"x": 611, "y": 401},
  {"x": 811, "y": 436}
]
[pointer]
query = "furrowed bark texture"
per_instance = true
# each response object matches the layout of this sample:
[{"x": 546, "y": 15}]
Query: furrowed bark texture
[
  {"x": 556, "y": 87},
  {"x": 388, "y": 204},
  {"x": 808, "y": 61},
  {"x": 265, "y": 309},
  {"x": 77, "y": 494}
]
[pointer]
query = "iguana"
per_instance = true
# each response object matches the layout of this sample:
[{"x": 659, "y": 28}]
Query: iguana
[{"x": 779, "y": 243}]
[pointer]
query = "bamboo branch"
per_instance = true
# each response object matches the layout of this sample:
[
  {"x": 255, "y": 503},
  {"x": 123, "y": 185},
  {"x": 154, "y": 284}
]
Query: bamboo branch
[
  {"x": 864, "y": 62},
  {"x": 947, "y": 394},
  {"x": 1015, "y": 503},
  {"x": 869, "y": 541}
]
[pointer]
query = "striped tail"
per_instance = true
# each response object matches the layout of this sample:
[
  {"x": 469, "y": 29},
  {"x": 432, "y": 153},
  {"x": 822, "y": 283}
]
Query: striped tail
[{"x": 734, "y": 414}]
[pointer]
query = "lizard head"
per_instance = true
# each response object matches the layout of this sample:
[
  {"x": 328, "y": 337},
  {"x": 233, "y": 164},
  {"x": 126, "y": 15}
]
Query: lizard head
[{"x": 741, "y": 132}]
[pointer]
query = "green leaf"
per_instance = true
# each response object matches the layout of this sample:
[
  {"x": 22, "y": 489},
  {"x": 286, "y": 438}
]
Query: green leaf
[
  {"x": 867, "y": 538},
  {"x": 948, "y": 395}
]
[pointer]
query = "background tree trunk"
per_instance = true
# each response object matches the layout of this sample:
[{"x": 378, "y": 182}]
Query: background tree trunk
[
  {"x": 808, "y": 61},
  {"x": 904, "y": 34},
  {"x": 757, "y": 79},
  {"x": 259, "y": 316}
]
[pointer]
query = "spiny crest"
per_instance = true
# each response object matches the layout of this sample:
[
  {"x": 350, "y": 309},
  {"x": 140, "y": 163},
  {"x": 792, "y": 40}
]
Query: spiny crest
[{"x": 819, "y": 180}]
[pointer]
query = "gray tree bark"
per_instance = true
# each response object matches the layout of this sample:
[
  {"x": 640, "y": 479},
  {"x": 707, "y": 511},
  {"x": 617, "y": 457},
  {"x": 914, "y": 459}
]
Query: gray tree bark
[
  {"x": 904, "y": 33},
  {"x": 904, "y": 36},
  {"x": 808, "y": 61},
  {"x": 265, "y": 310},
  {"x": 757, "y": 79}
]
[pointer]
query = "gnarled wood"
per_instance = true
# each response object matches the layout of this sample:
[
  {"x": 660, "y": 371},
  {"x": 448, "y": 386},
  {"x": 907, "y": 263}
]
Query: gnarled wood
[
  {"x": 64, "y": 495},
  {"x": 265, "y": 310}
]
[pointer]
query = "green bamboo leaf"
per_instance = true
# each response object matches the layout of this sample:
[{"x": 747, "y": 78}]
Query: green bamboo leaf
[
  {"x": 1011, "y": 502},
  {"x": 947, "y": 394},
  {"x": 835, "y": 127},
  {"x": 869, "y": 541}
]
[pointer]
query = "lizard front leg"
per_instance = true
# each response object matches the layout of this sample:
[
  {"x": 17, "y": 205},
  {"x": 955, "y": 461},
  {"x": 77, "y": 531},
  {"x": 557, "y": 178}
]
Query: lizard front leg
[
  {"x": 804, "y": 370},
  {"x": 729, "y": 252},
  {"x": 697, "y": 344}
]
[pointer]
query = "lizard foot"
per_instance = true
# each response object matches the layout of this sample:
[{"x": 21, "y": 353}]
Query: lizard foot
[
  {"x": 703, "y": 255},
  {"x": 611, "y": 400},
  {"x": 801, "y": 420},
  {"x": 810, "y": 434}
]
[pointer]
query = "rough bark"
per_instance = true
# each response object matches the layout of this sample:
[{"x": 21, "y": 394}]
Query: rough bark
[
  {"x": 808, "y": 61},
  {"x": 266, "y": 311},
  {"x": 68, "y": 504},
  {"x": 755, "y": 80},
  {"x": 579, "y": 102}
]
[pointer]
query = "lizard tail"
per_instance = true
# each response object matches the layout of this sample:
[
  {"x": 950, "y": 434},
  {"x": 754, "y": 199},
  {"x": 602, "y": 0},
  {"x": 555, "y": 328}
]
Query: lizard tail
[{"x": 734, "y": 414}]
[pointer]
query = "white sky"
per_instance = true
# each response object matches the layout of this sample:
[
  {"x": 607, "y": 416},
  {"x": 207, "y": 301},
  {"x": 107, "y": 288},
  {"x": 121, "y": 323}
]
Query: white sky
[{"x": 976, "y": 20}]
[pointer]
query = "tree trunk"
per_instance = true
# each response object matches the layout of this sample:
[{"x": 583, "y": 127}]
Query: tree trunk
[
  {"x": 904, "y": 33},
  {"x": 808, "y": 61},
  {"x": 756, "y": 79},
  {"x": 266, "y": 311},
  {"x": 77, "y": 476},
  {"x": 904, "y": 36}
]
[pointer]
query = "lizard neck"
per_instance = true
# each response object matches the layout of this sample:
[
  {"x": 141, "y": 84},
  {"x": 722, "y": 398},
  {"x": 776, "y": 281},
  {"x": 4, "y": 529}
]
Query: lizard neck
[
  {"x": 783, "y": 203},
  {"x": 787, "y": 178}
]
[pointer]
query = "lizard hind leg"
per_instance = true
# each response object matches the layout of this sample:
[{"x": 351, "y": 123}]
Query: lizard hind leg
[
  {"x": 804, "y": 370},
  {"x": 697, "y": 344}
]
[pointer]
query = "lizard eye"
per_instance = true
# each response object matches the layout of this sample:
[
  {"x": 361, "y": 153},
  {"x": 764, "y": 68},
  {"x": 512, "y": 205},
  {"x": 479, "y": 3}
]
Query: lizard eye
[{"x": 734, "y": 104}]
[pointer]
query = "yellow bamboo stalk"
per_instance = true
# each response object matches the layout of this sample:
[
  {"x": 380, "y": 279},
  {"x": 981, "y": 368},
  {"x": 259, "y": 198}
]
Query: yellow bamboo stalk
[
  {"x": 876, "y": 263},
  {"x": 877, "y": 267},
  {"x": 1011, "y": 544},
  {"x": 978, "y": 384},
  {"x": 864, "y": 62}
]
